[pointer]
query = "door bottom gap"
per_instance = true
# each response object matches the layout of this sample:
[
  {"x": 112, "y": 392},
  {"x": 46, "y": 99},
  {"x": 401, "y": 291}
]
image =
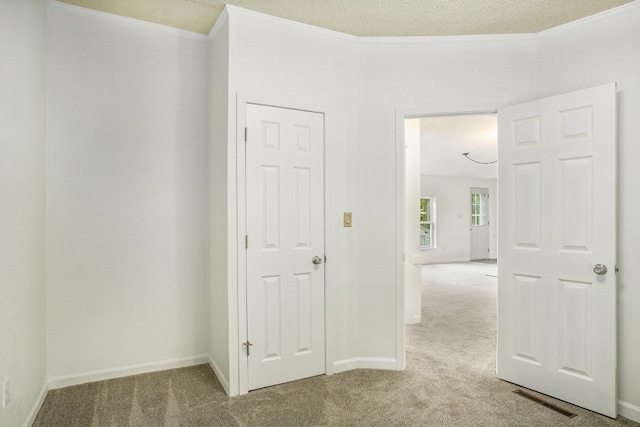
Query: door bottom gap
[{"x": 546, "y": 404}]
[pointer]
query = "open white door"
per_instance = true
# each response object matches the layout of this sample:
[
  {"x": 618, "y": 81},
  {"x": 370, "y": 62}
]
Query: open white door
[
  {"x": 285, "y": 245},
  {"x": 557, "y": 206}
]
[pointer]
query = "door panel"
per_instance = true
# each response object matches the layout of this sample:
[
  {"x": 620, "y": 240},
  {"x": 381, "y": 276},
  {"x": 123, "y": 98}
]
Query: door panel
[
  {"x": 557, "y": 198},
  {"x": 285, "y": 229}
]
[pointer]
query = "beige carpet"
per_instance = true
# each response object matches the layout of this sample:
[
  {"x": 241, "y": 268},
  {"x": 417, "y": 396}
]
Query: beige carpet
[{"x": 449, "y": 381}]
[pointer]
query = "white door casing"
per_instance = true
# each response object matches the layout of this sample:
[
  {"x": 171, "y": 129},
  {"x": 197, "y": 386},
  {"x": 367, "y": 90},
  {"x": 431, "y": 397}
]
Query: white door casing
[
  {"x": 557, "y": 204},
  {"x": 480, "y": 232},
  {"x": 285, "y": 229},
  {"x": 413, "y": 256}
]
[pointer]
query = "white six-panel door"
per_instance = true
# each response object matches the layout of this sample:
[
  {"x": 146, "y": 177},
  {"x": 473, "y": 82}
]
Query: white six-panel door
[
  {"x": 285, "y": 229},
  {"x": 557, "y": 204}
]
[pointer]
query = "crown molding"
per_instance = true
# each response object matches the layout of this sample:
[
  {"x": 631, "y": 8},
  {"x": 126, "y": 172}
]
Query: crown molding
[
  {"x": 223, "y": 18},
  {"x": 55, "y": 5},
  {"x": 447, "y": 40},
  {"x": 379, "y": 41},
  {"x": 235, "y": 10},
  {"x": 230, "y": 10},
  {"x": 603, "y": 16}
]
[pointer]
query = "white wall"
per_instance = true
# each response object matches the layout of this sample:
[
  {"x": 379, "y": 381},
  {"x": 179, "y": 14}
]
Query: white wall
[
  {"x": 287, "y": 64},
  {"x": 453, "y": 216},
  {"x": 220, "y": 268},
  {"x": 128, "y": 180},
  {"x": 419, "y": 76},
  {"x": 591, "y": 53},
  {"x": 127, "y": 195},
  {"x": 22, "y": 207},
  {"x": 361, "y": 83}
]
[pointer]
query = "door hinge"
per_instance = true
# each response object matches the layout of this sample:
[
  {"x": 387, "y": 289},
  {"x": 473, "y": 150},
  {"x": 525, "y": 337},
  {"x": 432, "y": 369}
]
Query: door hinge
[
  {"x": 325, "y": 259},
  {"x": 247, "y": 344},
  {"x": 246, "y": 242},
  {"x": 617, "y": 269},
  {"x": 246, "y": 134}
]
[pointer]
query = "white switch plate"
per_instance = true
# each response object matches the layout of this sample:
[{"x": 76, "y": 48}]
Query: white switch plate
[{"x": 348, "y": 219}]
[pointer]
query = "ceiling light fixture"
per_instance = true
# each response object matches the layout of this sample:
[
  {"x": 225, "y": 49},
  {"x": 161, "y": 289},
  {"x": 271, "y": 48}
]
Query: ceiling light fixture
[{"x": 475, "y": 161}]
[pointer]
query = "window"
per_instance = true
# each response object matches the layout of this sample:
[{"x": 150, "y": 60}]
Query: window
[
  {"x": 478, "y": 209},
  {"x": 427, "y": 222}
]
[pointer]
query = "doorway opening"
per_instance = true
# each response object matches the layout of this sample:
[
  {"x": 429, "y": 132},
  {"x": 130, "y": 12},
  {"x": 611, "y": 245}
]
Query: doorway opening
[
  {"x": 450, "y": 177},
  {"x": 451, "y": 218}
]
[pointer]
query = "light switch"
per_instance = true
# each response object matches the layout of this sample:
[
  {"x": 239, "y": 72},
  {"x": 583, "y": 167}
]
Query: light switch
[{"x": 347, "y": 219}]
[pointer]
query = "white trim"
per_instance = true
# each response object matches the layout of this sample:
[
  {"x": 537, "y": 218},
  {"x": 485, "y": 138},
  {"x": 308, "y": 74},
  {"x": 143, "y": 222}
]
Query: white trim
[
  {"x": 365, "y": 363},
  {"x": 400, "y": 178},
  {"x": 124, "y": 371},
  {"x": 383, "y": 41},
  {"x": 605, "y": 15},
  {"x": 329, "y": 238},
  {"x": 447, "y": 260},
  {"x": 235, "y": 10},
  {"x": 223, "y": 18},
  {"x": 36, "y": 406},
  {"x": 236, "y": 322},
  {"x": 224, "y": 381},
  {"x": 419, "y": 111},
  {"x": 629, "y": 411},
  {"x": 374, "y": 41},
  {"x": 267, "y": 101},
  {"x": 241, "y": 371},
  {"x": 110, "y": 17},
  {"x": 447, "y": 40}
]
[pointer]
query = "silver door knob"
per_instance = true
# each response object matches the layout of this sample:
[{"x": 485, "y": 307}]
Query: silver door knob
[
  {"x": 316, "y": 260},
  {"x": 600, "y": 269}
]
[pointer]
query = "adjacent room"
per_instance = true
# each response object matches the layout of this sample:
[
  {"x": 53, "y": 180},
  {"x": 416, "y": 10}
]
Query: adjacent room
[{"x": 458, "y": 183}]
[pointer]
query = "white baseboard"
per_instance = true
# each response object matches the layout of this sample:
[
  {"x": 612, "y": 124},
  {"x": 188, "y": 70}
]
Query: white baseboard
[
  {"x": 224, "y": 382},
  {"x": 364, "y": 363},
  {"x": 445, "y": 261},
  {"x": 629, "y": 411},
  {"x": 36, "y": 407},
  {"x": 414, "y": 320},
  {"x": 106, "y": 374}
]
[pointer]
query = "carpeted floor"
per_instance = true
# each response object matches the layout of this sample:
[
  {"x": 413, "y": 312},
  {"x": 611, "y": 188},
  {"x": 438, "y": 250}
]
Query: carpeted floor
[{"x": 449, "y": 381}]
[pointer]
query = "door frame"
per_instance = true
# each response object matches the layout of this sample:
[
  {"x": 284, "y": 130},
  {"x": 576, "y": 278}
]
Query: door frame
[
  {"x": 237, "y": 298},
  {"x": 402, "y": 113}
]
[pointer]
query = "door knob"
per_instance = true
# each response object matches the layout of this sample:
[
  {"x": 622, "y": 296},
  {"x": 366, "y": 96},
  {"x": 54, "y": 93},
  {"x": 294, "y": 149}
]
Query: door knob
[
  {"x": 316, "y": 260},
  {"x": 600, "y": 269}
]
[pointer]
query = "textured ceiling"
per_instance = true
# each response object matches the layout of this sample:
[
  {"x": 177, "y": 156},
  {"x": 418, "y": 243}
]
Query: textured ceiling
[
  {"x": 371, "y": 17},
  {"x": 443, "y": 139}
]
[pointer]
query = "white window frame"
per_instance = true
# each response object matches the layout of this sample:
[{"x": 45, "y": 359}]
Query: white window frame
[{"x": 432, "y": 222}]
